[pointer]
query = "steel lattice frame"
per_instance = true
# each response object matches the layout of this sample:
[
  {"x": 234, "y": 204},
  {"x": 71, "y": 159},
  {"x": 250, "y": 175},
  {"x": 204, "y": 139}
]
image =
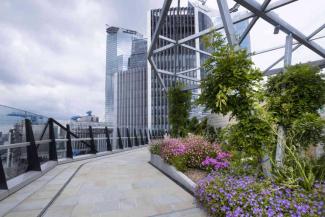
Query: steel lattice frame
[{"x": 255, "y": 11}]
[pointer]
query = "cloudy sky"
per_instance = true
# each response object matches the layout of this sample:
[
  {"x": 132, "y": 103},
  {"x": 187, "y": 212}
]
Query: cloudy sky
[{"x": 52, "y": 52}]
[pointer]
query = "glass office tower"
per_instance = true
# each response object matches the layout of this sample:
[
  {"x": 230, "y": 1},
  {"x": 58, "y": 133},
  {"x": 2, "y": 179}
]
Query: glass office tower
[
  {"x": 118, "y": 52},
  {"x": 190, "y": 20},
  {"x": 132, "y": 89}
]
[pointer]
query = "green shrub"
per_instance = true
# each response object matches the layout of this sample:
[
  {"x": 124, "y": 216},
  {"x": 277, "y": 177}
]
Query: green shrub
[
  {"x": 319, "y": 168},
  {"x": 155, "y": 148},
  {"x": 179, "y": 162},
  {"x": 296, "y": 171}
]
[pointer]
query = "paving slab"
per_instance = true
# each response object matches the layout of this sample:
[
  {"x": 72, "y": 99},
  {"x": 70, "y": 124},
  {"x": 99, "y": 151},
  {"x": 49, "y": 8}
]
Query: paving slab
[{"x": 123, "y": 185}]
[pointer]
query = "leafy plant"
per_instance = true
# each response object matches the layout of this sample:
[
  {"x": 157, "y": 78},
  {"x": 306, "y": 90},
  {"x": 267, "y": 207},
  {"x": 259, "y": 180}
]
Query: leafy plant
[
  {"x": 179, "y": 162},
  {"x": 179, "y": 104},
  {"x": 253, "y": 136},
  {"x": 297, "y": 170},
  {"x": 300, "y": 90},
  {"x": 155, "y": 148},
  {"x": 307, "y": 130},
  {"x": 319, "y": 168},
  {"x": 231, "y": 80}
]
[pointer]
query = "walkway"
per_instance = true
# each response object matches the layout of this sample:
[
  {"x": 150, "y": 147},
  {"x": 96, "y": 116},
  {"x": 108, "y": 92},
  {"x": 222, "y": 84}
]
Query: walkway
[{"x": 124, "y": 184}]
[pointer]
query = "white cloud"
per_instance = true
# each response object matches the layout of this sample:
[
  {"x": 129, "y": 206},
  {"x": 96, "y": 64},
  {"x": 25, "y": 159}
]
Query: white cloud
[{"x": 52, "y": 52}]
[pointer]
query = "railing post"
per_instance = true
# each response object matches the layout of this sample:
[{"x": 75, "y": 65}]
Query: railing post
[
  {"x": 150, "y": 135},
  {"x": 108, "y": 141},
  {"x": 142, "y": 141},
  {"x": 32, "y": 156},
  {"x": 120, "y": 143},
  {"x": 145, "y": 133},
  {"x": 129, "y": 139},
  {"x": 3, "y": 180},
  {"x": 93, "y": 148},
  {"x": 136, "y": 138},
  {"x": 52, "y": 144},
  {"x": 69, "y": 144}
]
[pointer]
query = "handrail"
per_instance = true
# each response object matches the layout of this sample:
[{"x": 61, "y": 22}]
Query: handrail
[
  {"x": 25, "y": 144},
  {"x": 42, "y": 141},
  {"x": 34, "y": 156},
  {"x": 15, "y": 145}
]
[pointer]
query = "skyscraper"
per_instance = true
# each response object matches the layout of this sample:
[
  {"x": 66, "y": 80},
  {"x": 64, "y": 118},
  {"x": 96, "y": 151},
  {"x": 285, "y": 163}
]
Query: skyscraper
[
  {"x": 179, "y": 24},
  {"x": 132, "y": 89},
  {"x": 134, "y": 96},
  {"x": 118, "y": 52}
]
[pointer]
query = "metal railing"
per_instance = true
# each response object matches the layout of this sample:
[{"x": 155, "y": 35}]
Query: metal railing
[{"x": 19, "y": 158}]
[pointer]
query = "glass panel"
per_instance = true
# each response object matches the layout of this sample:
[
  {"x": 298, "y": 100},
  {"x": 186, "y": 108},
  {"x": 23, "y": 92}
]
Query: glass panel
[
  {"x": 14, "y": 161},
  {"x": 12, "y": 130}
]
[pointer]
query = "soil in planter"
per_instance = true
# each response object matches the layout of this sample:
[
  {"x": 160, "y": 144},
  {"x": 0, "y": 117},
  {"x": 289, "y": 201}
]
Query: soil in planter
[{"x": 195, "y": 174}]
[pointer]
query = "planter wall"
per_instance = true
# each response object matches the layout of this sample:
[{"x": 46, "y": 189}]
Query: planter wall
[{"x": 173, "y": 173}]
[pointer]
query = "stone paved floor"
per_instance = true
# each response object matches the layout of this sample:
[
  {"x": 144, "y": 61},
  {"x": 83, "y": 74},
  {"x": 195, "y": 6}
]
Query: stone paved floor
[{"x": 118, "y": 185}]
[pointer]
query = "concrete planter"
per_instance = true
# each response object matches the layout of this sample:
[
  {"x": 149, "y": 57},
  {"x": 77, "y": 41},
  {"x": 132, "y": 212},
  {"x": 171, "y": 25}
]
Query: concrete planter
[{"x": 173, "y": 173}]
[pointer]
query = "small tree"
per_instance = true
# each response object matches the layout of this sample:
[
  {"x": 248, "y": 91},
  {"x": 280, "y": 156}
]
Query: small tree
[
  {"x": 301, "y": 89},
  {"x": 179, "y": 104},
  {"x": 231, "y": 82},
  {"x": 231, "y": 86}
]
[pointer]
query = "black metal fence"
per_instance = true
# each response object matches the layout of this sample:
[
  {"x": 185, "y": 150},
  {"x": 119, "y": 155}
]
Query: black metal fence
[{"x": 26, "y": 148}]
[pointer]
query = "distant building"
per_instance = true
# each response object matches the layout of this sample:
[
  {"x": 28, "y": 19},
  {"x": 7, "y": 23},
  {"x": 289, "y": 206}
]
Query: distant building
[
  {"x": 118, "y": 51},
  {"x": 126, "y": 76},
  {"x": 133, "y": 96},
  {"x": 132, "y": 89},
  {"x": 87, "y": 118},
  {"x": 191, "y": 20}
]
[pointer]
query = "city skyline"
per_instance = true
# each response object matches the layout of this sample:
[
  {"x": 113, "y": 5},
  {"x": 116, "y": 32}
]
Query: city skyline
[{"x": 52, "y": 53}]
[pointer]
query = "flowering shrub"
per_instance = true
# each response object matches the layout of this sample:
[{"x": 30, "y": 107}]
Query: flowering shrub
[
  {"x": 190, "y": 152},
  {"x": 217, "y": 163},
  {"x": 171, "y": 148},
  {"x": 234, "y": 196},
  {"x": 198, "y": 149}
]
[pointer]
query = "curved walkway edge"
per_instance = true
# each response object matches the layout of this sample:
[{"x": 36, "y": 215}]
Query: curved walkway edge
[{"x": 123, "y": 184}]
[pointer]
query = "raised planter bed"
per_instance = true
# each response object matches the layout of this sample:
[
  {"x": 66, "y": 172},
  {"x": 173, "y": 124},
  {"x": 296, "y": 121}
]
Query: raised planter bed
[{"x": 173, "y": 173}]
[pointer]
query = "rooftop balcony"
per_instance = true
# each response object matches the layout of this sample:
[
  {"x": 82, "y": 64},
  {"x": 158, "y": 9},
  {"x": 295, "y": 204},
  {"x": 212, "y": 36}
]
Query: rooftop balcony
[{"x": 48, "y": 169}]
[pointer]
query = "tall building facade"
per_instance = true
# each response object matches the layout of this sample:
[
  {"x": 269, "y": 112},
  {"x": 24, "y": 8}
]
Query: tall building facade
[
  {"x": 132, "y": 89},
  {"x": 126, "y": 79},
  {"x": 134, "y": 97},
  {"x": 178, "y": 25},
  {"x": 118, "y": 52}
]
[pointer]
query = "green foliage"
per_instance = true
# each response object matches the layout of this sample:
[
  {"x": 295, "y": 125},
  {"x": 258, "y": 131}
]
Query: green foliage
[
  {"x": 301, "y": 89},
  {"x": 193, "y": 126},
  {"x": 254, "y": 134},
  {"x": 319, "y": 168},
  {"x": 296, "y": 171},
  {"x": 179, "y": 102},
  {"x": 202, "y": 128},
  {"x": 179, "y": 162},
  {"x": 307, "y": 130},
  {"x": 243, "y": 164},
  {"x": 155, "y": 147},
  {"x": 231, "y": 81}
]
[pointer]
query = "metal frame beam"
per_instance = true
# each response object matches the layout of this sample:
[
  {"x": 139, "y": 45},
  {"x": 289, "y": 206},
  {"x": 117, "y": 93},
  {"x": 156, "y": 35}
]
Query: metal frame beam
[
  {"x": 253, "y": 21},
  {"x": 288, "y": 51},
  {"x": 318, "y": 63},
  {"x": 227, "y": 22},
  {"x": 275, "y": 20},
  {"x": 220, "y": 26},
  {"x": 295, "y": 48}
]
